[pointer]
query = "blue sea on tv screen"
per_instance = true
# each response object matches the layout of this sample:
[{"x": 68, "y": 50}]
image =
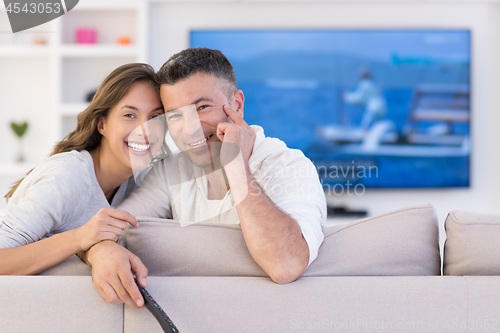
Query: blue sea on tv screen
[{"x": 295, "y": 82}]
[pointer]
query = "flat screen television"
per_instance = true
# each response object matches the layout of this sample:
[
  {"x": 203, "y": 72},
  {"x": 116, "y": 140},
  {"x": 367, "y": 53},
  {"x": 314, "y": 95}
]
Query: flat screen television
[{"x": 370, "y": 108}]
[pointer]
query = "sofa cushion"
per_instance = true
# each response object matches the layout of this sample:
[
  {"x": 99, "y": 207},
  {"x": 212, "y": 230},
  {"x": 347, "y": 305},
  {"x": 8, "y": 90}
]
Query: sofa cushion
[
  {"x": 391, "y": 304},
  {"x": 167, "y": 249},
  {"x": 471, "y": 246},
  {"x": 49, "y": 304},
  {"x": 402, "y": 242},
  {"x": 71, "y": 266}
]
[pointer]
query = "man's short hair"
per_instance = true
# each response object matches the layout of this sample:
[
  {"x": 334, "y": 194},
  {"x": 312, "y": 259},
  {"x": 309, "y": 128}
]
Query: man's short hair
[{"x": 199, "y": 60}]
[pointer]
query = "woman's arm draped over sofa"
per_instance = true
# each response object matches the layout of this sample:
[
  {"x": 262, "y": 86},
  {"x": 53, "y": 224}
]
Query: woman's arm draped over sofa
[{"x": 54, "y": 199}]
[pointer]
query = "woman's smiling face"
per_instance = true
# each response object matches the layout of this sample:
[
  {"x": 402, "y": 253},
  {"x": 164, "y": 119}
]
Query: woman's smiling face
[{"x": 134, "y": 129}]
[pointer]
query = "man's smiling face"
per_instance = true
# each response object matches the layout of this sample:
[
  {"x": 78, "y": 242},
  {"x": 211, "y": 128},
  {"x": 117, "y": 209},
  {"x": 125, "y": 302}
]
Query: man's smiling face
[{"x": 193, "y": 109}]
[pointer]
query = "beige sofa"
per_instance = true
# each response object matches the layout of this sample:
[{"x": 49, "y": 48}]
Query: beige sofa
[{"x": 379, "y": 274}]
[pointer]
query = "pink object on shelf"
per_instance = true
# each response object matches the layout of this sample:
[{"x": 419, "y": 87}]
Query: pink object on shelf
[{"x": 86, "y": 36}]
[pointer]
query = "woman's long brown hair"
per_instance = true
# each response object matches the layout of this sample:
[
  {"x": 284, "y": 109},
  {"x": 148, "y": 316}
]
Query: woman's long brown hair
[{"x": 111, "y": 91}]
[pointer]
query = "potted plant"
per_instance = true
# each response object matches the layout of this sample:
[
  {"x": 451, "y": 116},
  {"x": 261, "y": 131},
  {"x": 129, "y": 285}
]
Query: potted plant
[{"x": 19, "y": 130}]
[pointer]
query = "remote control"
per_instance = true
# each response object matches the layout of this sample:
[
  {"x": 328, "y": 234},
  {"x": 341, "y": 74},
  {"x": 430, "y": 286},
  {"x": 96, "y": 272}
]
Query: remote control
[{"x": 166, "y": 324}]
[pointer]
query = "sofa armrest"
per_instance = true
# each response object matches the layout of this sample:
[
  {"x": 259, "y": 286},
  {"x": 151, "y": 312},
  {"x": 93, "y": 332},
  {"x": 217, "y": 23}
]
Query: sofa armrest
[{"x": 56, "y": 304}]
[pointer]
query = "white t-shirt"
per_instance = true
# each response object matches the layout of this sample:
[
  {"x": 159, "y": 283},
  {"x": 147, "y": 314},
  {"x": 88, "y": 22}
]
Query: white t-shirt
[{"x": 177, "y": 189}]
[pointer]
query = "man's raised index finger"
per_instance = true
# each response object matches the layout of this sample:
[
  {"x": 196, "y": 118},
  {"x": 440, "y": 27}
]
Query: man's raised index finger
[{"x": 233, "y": 115}]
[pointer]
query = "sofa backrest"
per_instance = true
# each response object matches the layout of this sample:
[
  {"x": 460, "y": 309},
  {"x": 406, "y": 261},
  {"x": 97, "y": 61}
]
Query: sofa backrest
[
  {"x": 402, "y": 242},
  {"x": 471, "y": 246},
  {"x": 71, "y": 266}
]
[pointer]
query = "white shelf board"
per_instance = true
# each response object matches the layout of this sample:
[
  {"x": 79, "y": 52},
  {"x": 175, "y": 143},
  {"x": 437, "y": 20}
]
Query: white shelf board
[
  {"x": 107, "y": 5},
  {"x": 24, "y": 50},
  {"x": 15, "y": 169},
  {"x": 96, "y": 50},
  {"x": 72, "y": 109}
]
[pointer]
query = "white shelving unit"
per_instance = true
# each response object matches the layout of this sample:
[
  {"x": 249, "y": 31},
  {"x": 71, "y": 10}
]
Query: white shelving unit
[
  {"x": 82, "y": 67},
  {"x": 25, "y": 69},
  {"x": 58, "y": 76},
  {"x": 24, "y": 51},
  {"x": 98, "y": 51},
  {"x": 72, "y": 109}
]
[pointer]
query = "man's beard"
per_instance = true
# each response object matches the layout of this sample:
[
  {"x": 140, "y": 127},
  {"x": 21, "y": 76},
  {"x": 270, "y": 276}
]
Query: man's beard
[{"x": 209, "y": 159}]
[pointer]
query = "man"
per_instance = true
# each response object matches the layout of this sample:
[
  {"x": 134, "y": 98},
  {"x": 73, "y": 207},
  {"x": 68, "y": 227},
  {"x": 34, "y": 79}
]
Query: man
[
  {"x": 368, "y": 93},
  {"x": 227, "y": 172}
]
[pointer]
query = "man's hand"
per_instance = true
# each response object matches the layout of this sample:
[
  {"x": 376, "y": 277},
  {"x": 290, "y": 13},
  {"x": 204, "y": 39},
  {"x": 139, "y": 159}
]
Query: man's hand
[
  {"x": 274, "y": 239},
  {"x": 112, "y": 267},
  {"x": 238, "y": 133}
]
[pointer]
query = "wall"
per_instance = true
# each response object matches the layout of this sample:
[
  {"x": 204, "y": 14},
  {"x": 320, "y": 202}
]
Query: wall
[
  {"x": 170, "y": 23},
  {"x": 25, "y": 95}
]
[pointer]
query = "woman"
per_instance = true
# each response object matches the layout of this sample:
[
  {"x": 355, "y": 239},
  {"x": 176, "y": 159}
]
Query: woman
[{"x": 69, "y": 195}]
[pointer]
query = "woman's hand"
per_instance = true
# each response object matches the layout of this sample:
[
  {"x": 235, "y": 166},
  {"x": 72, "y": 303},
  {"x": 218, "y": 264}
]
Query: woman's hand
[{"x": 107, "y": 224}]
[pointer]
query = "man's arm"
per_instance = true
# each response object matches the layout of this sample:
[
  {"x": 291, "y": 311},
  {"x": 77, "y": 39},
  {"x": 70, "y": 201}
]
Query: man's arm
[
  {"x": 274, "y": 239},
  {"x": 151, "y": 198}
]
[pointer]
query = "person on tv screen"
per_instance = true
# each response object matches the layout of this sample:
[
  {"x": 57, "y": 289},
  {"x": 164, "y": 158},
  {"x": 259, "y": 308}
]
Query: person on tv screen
[
  {"x": 226, "y": 172},
  {"x": 367, "y": 93}
]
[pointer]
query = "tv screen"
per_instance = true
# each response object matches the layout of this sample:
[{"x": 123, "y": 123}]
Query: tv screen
[{"x": 370, "y": 108}]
